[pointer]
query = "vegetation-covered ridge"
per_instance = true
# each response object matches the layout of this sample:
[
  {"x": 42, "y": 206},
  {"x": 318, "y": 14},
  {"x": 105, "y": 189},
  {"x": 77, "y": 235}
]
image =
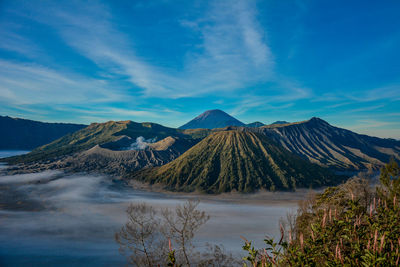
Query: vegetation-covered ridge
[
  {"x": 95, "y": 134},
  {"x": 233, "y": 160}
]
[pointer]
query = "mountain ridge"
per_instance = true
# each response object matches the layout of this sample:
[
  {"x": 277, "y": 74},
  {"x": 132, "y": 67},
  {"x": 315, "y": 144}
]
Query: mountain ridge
[
  {"x": 314, "y": 139},
  {"x": 24, "y": 134},
  {"x": 95, "y": 134},
  {"x": 330, "y": 146}
]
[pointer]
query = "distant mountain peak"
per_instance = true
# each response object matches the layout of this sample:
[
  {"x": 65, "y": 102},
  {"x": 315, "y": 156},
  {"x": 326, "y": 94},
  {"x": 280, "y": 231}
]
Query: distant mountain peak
[
  {"x": 212, "y": 112},
  {"x": 317, "y": 120},
  {"x": 255, "y": 124},
  {"x": 210, "y": 119},
  {"x": 280, "y": 122}
]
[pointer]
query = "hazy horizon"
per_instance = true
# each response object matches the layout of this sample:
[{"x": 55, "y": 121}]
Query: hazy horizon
[{"x": 173, "y": 126}]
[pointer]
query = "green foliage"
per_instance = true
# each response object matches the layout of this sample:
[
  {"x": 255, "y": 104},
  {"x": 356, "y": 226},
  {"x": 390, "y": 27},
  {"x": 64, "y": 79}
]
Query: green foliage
[
  {"x": 266, "y": 258},
  {"x": 197, "y": 133},
  {"x": 343, "y": 226},
  {"x": 390, "y": 179},
  {"x": 172, "y": 259}
]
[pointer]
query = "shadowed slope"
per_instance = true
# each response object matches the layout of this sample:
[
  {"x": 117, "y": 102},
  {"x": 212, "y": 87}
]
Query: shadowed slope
[
  {"x": 237, "y": 160},
  {"x": 19, "y": 133}
]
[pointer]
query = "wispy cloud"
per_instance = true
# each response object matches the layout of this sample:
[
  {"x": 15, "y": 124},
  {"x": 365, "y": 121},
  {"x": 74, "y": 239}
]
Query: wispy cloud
[
  {"x": 231, "y": 58},
  {"x": 234, "y": 53},
  {"x": 282, "y": 93},
  {"x": 374, "y": 127},
  {"x": 363, "y": 109},
  {"x": 29, "y": 83},
  {"x": 370, "y": 123},
  {"x": 14, "y": 42},
  {"x": 340, "y": 104},
  {"x": 101, "y": 114},
  {"x": 394, "y": 114},
  {"x": 260, "y": 103},
  {"x": 390, "y": 92}
]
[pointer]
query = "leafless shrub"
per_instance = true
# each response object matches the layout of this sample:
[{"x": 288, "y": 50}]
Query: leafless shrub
[
  {"x": 140, "y": 237},
  {"x": 216, "y": 256},
  {"x": 147, "y": 235},
  {"x": 181, "y": 224}
]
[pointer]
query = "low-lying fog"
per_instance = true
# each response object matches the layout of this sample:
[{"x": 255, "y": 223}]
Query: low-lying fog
[
  {"x": 10, "y": 153},
  {"x": 52, "y": 218}
]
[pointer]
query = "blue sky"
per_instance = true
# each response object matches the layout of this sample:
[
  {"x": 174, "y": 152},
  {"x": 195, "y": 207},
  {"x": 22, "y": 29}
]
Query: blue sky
[{"x": 168, "y": 61}]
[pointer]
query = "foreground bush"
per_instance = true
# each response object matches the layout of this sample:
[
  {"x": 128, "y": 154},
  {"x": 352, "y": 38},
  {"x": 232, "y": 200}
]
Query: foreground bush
[{"x": 349, "y": 225}]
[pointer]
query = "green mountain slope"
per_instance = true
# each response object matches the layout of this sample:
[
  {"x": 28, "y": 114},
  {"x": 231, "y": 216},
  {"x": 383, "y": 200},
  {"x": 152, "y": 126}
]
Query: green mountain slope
[
  {"x": 94, "y": 134},
  {"x": 237, "y": 160}
]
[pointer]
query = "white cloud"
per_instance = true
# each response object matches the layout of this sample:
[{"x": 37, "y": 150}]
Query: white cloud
[
  {"x": 11, "y": 41},
  {"x": 261, "y": 103},
  {"x": 27, "y": 83},
  {"x": 234, "y": 53},
  {"x": 391, "y": 92},
  {"x": 253, "y": 35},
  {"x": 394, "y": 114},
  {"x": 233, "y": 56},
  {"x": 373, "y": 127},
  {"x": 102, "y": 114},
  {"x": 371, "y": 123},
  {"x": 368, "y": 108}
]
